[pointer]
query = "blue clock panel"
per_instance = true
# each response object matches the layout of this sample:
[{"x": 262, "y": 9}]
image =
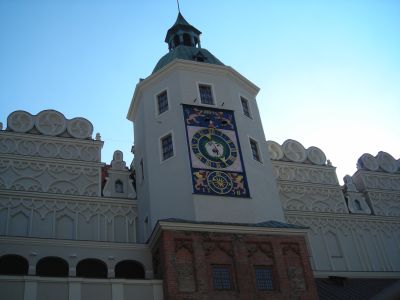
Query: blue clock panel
[{"x": 214, "y": 150}]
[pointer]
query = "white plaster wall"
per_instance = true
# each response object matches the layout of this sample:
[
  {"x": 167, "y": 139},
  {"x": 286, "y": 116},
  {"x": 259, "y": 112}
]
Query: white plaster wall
[
  {"x": 365, "y": 244},
  {"x": 67, "y": 217}
]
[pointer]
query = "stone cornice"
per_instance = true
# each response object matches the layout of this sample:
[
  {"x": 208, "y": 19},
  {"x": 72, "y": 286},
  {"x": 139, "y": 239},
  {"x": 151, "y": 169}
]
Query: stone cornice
[
  {"x": 361, "y": 274},
  {"x": 136, "y": 282},
  {"x": 42, "y": 137},
  {"x": 303, "y": 165},
  {"x": 353, "y": 217},
  {"x": 71, "y": 243},
  {"x": 310, "y": 184},
  {"x": 221, "y": 228},
  {"x": 69, "y": 198},
  {"x": 39, "y": 159}
]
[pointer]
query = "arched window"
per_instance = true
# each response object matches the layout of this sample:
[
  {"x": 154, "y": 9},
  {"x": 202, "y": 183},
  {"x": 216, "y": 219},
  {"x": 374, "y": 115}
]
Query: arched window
[
  {"x": 91, "y": 268},
  {"x": 52, "y": 266},
  {"x": 357, "y": 204},
  {"x": 129, "y": 269},
  {"x": 119, "y": 186},
  {"x": 13, "y": 265},
  {"x": 186, "y": 40}
]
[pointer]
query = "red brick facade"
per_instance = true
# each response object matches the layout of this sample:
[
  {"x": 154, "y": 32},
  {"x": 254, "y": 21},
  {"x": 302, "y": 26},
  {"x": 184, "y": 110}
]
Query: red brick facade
[{"x": 184, "y": 260}]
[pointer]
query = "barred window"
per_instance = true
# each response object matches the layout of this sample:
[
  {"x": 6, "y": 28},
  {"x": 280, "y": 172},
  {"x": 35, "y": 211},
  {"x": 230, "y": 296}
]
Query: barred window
[
  {"x": 162, "y": 102},
  {"x": 206, "y": 94},
  {"x": 222, "y": 279},
  {"x": 245, "y": 106},
  {"x": 167, "y": 147},
  {"x": 264, "y": 278},
  {"x": 254, "y": 149}
]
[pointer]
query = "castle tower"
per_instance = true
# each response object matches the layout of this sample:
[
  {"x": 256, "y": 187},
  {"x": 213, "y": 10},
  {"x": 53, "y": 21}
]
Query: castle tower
[{"x": 200, "y": 150}]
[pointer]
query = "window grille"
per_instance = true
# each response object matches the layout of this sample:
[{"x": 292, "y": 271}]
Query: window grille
[
  {"x": 167, "y": 147},
  {"x": 206, "y": 94}
]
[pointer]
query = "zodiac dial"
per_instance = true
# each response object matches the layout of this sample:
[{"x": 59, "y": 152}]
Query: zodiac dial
[{"x": 214, "y": 148}]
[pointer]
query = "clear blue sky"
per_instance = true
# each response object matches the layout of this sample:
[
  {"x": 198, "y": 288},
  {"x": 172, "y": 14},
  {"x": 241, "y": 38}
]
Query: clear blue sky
[{"x": 329, "y": 71}]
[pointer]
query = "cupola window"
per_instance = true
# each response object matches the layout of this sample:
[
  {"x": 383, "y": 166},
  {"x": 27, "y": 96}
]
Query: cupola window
[
  {"x": 186, "y": 40},
  {"x": 176, "y": 40}
]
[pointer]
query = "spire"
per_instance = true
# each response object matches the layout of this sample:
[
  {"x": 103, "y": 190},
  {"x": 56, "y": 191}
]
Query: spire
[{"x": 182, "y": 33}]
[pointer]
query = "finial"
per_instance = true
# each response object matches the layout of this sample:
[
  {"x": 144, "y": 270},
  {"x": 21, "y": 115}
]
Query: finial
[
  {"x": 98, "y": 137},
  {"x": 179, "y": 9}
]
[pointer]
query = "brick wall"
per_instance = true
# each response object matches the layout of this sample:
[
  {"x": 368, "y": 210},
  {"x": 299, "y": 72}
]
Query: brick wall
[{"x": 186, "y": 258}]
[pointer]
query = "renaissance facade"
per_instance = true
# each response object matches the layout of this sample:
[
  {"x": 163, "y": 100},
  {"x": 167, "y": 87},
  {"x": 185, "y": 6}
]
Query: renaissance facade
[{"x": 208, "y": 209}]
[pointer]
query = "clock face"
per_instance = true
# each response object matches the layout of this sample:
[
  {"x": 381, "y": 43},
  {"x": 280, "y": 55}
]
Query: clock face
[{"x": 214, "y": 148}]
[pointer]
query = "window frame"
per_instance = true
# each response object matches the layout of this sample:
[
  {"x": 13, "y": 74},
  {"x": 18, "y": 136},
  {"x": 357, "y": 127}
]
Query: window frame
[
  {"x": 249, "y": 111},
  {"x": 214, "y": 100},
  {"x": 256, "y": 142},
  {"x": 228, "y": 268},
  {"x": 157, "y": 106},
  {"x": 272, "y": 281},
  {"x": 161, "y": 149}
]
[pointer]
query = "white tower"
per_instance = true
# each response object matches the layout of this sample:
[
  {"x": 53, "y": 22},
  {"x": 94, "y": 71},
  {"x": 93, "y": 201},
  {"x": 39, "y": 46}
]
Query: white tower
[{"x": 200, "y": 150}]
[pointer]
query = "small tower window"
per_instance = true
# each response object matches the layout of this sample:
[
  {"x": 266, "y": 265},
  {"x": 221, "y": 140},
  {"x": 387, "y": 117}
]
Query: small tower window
[
  {"x": 162, "y": 102},
  {"x": 206, "y": 96},
  {"x": 176, "y": 40},
  {"x": 119, "y": 186},
  {"x": 245, "y": 106},
  {"x": 167, "y": 146},
  {"x": 186, "y": 40},
  {"x": 255, "y": 151}
]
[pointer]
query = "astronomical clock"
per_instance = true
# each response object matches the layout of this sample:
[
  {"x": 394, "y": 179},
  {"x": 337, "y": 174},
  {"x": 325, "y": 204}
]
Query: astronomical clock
[{"x": 214, "y": 150}]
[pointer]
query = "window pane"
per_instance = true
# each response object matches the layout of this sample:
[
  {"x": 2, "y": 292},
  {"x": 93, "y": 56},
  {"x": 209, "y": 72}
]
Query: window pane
[
  {"x": 162, "y": 102},
  {"x": 245, "y": 105},
  {"x": 167, "y": 147},
  {"x": 206, "y": 94},
  {"x": 222, "y": 278},
  {"x": 254, "y": 150},
  {"x": 264, "y": 278}
]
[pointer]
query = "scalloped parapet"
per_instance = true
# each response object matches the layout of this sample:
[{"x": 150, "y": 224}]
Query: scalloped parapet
[
  {"x": 50, "y": 135},
  {"x": 294, "y": 151},
  {"x": 49, "y": 122},
  {"x": 382, "y": 162}
]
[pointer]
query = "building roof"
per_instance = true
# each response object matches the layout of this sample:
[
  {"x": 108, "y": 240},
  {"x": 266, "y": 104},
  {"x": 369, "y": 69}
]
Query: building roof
[
  {"x": 337, "y": 288},
  {"x": 266, "y": 224},
  {"x": 187, "y": 53}
]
